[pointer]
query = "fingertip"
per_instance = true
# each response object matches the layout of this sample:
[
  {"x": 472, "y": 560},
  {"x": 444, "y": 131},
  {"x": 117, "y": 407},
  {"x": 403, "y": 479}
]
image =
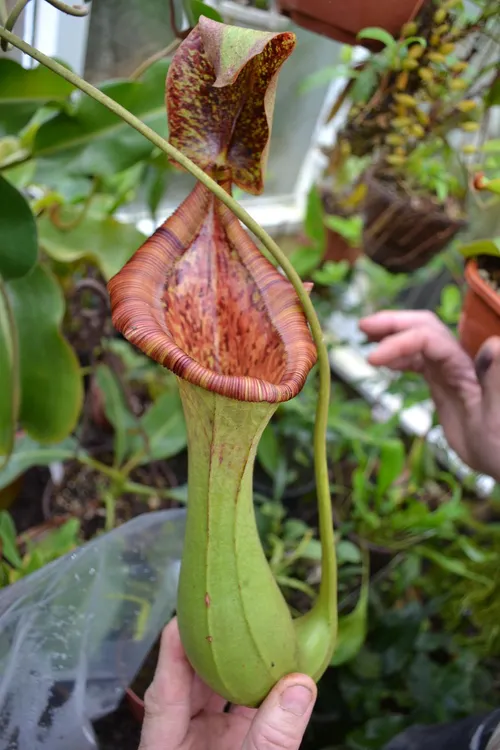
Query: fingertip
[
  {"x": 488, "y": 355},
  {"x": 171, "y": 649},
  {"x": 170, "y": 637},
  {"x": 295, "y": 693}
]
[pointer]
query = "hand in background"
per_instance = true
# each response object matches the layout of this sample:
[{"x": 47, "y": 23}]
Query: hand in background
[{"x": 466, "y": 392}]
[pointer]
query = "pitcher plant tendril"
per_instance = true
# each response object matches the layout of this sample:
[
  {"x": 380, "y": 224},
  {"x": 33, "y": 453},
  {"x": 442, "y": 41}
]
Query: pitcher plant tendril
[{"x": 201, "y": 299}]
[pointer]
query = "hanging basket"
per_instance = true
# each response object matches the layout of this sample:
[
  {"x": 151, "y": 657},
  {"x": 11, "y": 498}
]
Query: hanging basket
[
  {"x": 403, "y": 233},
  {"x": 342, "y": 20}
]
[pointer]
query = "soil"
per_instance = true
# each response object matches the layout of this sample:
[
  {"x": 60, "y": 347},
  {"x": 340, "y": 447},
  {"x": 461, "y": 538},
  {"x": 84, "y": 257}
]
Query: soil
[
  {"x": 80, "y": 491},
  {"x": 489, "y": 270},
  {"x": 118, "y": 731}
]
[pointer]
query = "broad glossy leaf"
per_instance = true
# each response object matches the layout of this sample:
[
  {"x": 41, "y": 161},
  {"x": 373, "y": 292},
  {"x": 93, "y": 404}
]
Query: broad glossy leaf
[
  {"x": 28, "y": 452},
  {"x": 93, "y": 140},
  {"x": 18, "y": 241},
  {"x": 51, "y": 383},
  {"x": 9, "y": 377},
  {"x": 115, "y": 408},
  {"x": 103, "y": 240},
  {"x": 23, "y": 91},
  {"x": 164, "y": 428},
  {"x": 220, "y": 97}
]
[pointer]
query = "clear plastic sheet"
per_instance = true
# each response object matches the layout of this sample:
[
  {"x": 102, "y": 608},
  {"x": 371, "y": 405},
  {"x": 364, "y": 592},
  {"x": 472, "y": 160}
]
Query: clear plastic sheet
[{"x": 74, "y": 634}]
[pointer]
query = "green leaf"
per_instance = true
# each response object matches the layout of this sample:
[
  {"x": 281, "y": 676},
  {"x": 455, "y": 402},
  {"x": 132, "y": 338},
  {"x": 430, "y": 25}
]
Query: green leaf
[
  {"x": 493, "y": 186},
  {"x": 392, "y": 463},
  {"x": 18, "y": 241},
  {"x": 103, "y": 240},
  {"x": 347, "y": 552},
  {"x": 116, "y": 410},
  {"x": 8, "y": 544},
  {"x": 155, "y": 181},
  {"x": 164, "y": 428},
  {"x": 313, "y": 222},
  {"x": 450, "y": 304},
  {"x": 23, "y": 91},
  {"x": 351, "y": 229},
  {"x": 198, "y": 8},
  {"x": 305, "y": 260},
  {"x": 364, "y": 86},
  {"x": 27, "y": 453},
  {"x": 268, "y": 451},
  {"x": 353, "y": 627},
  {"x": 452, "y": 565},
  {"x": 51, "y": 383},
  {"x": 58, "y": 542},
  {"x": 491, "y": 147},
  {"x": 9, "y": 377},
  {"x": 378, "y": 35},
  {"x": 91, "y": 140},
  {"x": 325, "y": 76},
  {"x": 492, "y": 97},
  {"x": 332, "y": 273},
  {"x": 481, "y": 247}
]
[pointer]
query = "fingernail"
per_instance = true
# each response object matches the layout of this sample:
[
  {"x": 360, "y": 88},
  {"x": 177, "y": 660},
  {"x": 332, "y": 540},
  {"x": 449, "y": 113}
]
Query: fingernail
[
  {"x": 483, "y": 362},
  {"x": 296, "y": 700}
]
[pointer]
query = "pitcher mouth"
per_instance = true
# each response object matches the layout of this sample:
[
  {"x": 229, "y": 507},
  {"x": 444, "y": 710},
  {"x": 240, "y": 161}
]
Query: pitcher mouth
[{"x": 199, "y": 298}]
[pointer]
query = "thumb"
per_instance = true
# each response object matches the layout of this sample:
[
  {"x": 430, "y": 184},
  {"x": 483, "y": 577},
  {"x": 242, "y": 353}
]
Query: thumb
[
  {"x": 487, "y": 364},
  {"x": 282, "y": 719}
]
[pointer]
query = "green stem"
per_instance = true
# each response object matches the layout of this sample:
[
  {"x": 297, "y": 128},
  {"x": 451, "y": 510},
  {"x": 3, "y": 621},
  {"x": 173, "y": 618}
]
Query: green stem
[
  {"x": 117, "y": 476},
  {"x": 109, "y": 504},
  {"x": 329, "y": 578},
  {"x": 79, "y": 10},
  {"x": 146, "y": 64},
  {"x": 12, "y": 20}
]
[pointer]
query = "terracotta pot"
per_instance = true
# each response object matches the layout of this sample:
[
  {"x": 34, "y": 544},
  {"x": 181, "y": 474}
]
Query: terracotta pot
[
  {"x": 136, "y": 705},
  {"x": 342, "y": 20},
  {"x": 338, "y": 249},
  {"x": 403, "y": 233},
  {"x": 481, "y": 312}
]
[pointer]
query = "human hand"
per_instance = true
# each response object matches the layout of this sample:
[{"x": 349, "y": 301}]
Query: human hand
[
  {"x": 466, "y": 392},
  {"x": 182, "y": 713}
]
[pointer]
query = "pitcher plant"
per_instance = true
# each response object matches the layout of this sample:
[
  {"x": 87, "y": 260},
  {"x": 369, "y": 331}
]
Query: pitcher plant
[{"x": 201, "y": 299}]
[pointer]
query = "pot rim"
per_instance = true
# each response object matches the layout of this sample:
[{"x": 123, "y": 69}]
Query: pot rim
[
  {"x": 481, "y": 287},
  {"x": 136, "y": 704}
]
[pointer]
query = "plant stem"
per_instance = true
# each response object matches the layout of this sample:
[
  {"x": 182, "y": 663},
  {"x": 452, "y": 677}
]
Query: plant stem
[
  {"x": 121, "y": 481},
  {"x": 77, "y": 10},
  {"x": 109, "y": 504},
  {"x": 329, "y": 578},
  {"x": 12, "y": 20},
  {"x": 146, "y": 64}
]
